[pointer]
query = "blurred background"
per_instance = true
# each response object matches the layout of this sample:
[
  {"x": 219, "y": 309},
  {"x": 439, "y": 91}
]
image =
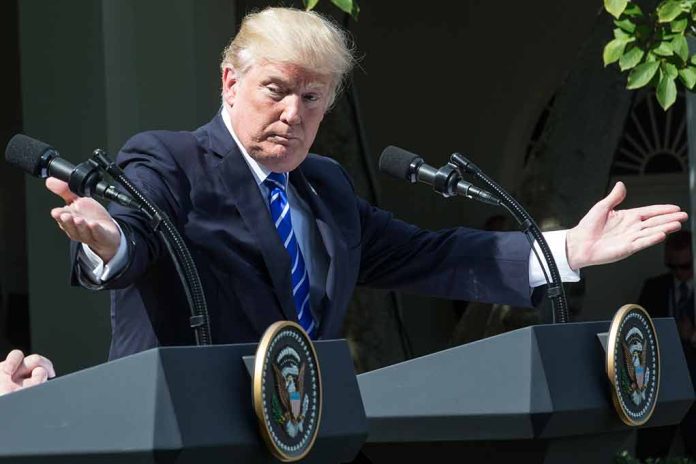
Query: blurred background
[{"x": 520, "y": 88}]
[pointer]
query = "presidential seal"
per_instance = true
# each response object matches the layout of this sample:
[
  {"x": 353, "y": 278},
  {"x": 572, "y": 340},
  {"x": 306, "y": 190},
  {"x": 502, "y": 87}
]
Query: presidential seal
[
  {"x": 633, "y": 364},
  {"x": 287, "y": 391}
]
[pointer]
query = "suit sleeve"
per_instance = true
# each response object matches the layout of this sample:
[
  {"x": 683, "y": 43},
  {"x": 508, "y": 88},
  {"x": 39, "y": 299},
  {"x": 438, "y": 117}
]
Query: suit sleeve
[
  {"x": 459, "y": 263},
  {"x": 148, "y": 163}
]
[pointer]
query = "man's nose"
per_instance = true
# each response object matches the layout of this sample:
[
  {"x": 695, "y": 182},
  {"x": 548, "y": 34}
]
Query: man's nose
[{"x": 292, "y": 110}]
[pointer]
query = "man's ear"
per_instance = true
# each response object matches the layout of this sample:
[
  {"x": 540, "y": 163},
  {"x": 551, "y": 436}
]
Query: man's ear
[{"x": 230, "y": 82}]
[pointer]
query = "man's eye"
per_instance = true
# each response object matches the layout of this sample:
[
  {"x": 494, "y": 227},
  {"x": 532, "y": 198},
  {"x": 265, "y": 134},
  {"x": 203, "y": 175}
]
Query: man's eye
[
  {"x": 274, "y": 90},
  {"x": 312, "y": 97}
]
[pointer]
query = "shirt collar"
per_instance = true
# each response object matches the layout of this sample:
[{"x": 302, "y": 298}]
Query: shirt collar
[{"x": 259, "y": 171}]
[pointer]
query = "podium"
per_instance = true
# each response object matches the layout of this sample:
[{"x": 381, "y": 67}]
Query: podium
[
  {"x": 170, "y": 405},
  {"x": 537, "y": 394}
]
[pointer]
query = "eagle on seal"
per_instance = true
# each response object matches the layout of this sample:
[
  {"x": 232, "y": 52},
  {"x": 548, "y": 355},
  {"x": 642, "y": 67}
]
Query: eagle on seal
[{"x": 635, "y": 361}]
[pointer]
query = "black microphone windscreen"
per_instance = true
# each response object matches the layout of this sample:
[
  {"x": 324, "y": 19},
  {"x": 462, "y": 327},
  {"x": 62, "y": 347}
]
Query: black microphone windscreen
[
  {"x": 397, "y": 162},
  {"x": 25, "y": 153}
]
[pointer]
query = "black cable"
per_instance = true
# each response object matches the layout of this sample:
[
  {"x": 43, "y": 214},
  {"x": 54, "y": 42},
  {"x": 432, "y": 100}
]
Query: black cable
[
  {"x": 554, "y": 290},
  {"x": 181, "y": 256}
]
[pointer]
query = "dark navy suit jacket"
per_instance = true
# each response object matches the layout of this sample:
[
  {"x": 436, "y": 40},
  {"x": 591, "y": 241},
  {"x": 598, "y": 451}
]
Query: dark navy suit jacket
[{"x": 202, "y": 181}]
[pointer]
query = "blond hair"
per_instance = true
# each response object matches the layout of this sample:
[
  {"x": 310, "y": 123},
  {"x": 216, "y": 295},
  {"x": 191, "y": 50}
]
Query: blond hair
[{"x": 297, "y": 37}]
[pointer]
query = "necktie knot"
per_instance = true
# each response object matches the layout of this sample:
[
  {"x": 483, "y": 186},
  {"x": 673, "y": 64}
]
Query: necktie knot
[{"x": 277, "y": 180}]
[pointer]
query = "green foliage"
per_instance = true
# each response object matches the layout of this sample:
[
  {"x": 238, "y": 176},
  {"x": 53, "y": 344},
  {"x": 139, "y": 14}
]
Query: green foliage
[
  {"x": 642, "y": 74},
  {"x": 615, "y": 7},
  {"x": 347, "y": 6},
  {"x": 652, "y": 47},
  {"x": 631, "y": 58}
]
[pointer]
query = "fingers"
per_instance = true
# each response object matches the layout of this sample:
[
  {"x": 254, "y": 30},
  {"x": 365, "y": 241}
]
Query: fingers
[
  {"x": 75, "y": 227},
  {"x": 648, "y": 241},
  {"x": 655, "y": 210},
  {"x": 10, "y": 365},
  {"x": 38, "y": 376},
  {"x": 61, "y": 189},
  {"x": 37, "y": 362},
  {"x": 677, "y": 217}
]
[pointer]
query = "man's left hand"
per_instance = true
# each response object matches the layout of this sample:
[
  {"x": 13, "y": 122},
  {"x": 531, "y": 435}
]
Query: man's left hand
[{"x": 606, "y": 235}]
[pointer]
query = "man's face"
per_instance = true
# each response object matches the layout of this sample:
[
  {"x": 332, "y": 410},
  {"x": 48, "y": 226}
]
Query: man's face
[
  {"x": 679, "y": 263},
  {"x": 275, "y": 110}
]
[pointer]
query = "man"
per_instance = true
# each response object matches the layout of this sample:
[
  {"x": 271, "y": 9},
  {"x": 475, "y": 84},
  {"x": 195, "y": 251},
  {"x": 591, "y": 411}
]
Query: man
[
  {"x": 671, "y": 294},
  {"x": 278, "y": 233}
]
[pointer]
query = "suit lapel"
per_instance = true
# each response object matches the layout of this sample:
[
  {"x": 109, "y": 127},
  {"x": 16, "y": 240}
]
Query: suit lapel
[
  {"x": 236, "y": 179},
  {"x": 335, "y": 248}
]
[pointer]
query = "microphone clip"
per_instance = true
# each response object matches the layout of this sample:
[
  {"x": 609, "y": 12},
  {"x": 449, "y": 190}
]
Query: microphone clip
[
  {"x": 85, "y": 178},
  {"x": 446, "y": 179}
]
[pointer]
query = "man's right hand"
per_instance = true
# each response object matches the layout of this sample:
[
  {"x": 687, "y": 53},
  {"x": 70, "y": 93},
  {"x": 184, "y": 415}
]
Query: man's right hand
[
  {"x": 18, "y": 371},
  {"x": 85, "y": 220}
]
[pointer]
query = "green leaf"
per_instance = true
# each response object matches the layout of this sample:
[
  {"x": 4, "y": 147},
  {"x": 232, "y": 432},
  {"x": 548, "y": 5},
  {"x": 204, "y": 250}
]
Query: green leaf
[
  {"x": 621, "y": 34},
  {"x": 633, "y": 10},
  {"x": 631, "y": 58},
  {"x": 669, "y": 70},
  {"x": 692, "y": 60},
  {"x": 310, "y": 4},
  {"x": 679, "y": 25},
  {"x": 613, "y": 51},
  {"x": 688, "y": 77},
  {"x": 669, "y": 10},
  {"x": 626, "y": 25},
  {"x": 642, "y": 74},
  {"x": 666, "y": 91},
  {"x": 681, "y": 47},
  {"x": 348, "y": 6},
  {"x": 615, "y": 7},
  {"x": 663, "y": 49}
]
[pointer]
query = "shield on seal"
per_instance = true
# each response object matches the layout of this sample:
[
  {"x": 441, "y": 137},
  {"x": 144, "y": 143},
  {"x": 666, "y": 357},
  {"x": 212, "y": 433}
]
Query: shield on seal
[
  {"x": 295, "y": 404},
  {"x": 640, "y": 376}
]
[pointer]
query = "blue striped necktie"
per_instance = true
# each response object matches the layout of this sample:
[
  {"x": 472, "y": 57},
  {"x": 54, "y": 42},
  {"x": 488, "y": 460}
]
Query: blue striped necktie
[{"x": 280, "y": 212}]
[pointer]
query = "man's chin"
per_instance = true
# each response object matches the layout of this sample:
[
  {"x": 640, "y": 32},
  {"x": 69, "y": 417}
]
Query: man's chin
[{"x": 281, "y": 160}]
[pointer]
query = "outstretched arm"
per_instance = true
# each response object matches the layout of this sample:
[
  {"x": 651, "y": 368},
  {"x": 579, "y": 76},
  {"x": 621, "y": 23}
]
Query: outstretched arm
[{"x": 606, "y": 235}]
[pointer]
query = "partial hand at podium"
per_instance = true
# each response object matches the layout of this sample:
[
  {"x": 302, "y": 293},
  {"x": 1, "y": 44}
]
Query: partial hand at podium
[{"x": 18, "y": 371}]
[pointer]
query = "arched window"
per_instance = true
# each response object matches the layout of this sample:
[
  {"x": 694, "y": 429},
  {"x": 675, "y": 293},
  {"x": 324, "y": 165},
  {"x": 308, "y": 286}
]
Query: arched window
[{"x": 653, "y": 141}]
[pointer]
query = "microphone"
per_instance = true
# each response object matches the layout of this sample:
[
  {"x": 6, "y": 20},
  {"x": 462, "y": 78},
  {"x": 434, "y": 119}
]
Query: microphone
[
  {"x": 41, "y": 160},
  {"x": 446, "y": 181}
]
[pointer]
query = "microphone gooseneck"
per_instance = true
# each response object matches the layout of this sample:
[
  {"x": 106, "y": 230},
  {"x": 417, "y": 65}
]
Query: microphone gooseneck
[
  {"x": 446, "y": 181},
  {"x": 554, "y": 290}
]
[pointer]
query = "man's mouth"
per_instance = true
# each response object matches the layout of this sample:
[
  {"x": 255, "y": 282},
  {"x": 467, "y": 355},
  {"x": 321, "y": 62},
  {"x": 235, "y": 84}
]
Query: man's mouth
[{"x": 281, "y": 139}]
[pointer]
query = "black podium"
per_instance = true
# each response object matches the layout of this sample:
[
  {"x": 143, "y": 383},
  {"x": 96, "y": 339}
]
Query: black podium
[
  {"x": 170, "y": 405},
  {"x": 538, "y": 394}
]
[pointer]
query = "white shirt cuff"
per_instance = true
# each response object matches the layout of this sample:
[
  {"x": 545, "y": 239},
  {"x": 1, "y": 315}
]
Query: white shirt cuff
[
  {"x": 102, "y": 271},
  {"x": 557, "y": 244}
]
